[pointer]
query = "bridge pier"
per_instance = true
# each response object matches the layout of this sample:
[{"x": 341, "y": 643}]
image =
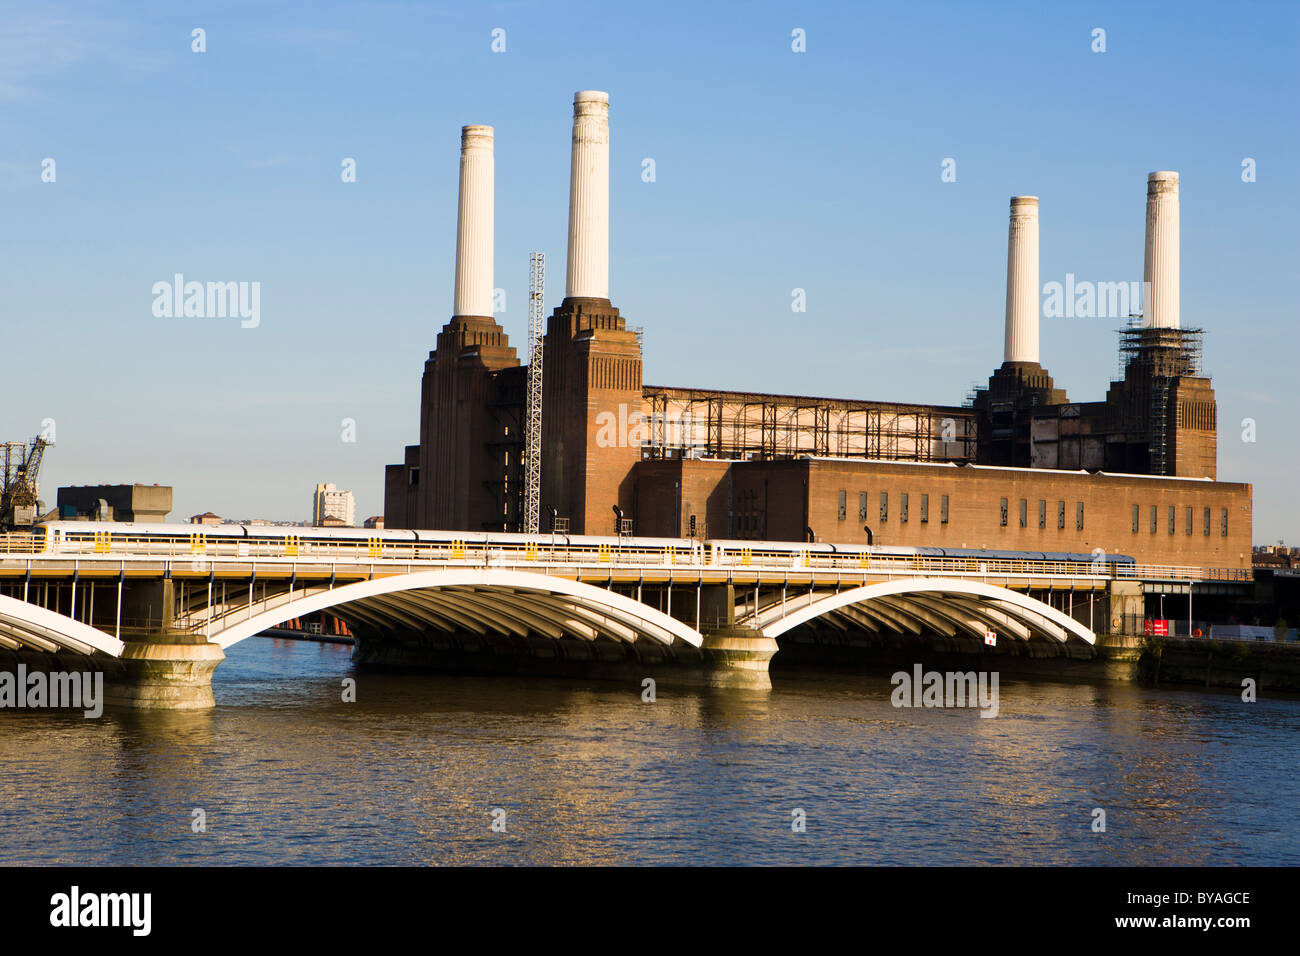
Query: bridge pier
[
  {"x": 738, "y": 657},
  {"x": 167, "y": 671}
]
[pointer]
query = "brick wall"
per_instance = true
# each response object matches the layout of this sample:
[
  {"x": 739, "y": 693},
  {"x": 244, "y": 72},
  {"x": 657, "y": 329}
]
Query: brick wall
[{"x": 776, "y": 500}]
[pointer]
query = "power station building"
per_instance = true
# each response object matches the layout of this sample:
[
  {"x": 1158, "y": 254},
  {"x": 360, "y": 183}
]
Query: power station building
[{"x": 1018, "y": 467}]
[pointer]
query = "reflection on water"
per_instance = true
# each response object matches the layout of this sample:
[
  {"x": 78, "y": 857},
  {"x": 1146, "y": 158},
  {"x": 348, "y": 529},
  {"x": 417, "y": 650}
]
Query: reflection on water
[{"x": 587, "y": 773}]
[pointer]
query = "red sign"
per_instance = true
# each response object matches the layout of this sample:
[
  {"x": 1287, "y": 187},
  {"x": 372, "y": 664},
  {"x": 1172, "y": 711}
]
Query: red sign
[{"x": 1156, "y": 628}]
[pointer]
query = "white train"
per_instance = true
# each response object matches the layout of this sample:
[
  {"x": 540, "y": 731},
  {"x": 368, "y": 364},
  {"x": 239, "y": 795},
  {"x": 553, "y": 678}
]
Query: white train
[{"x": 253, "y": 540}]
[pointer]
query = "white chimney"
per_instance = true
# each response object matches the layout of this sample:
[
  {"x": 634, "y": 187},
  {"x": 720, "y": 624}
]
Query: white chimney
[
  {"x": 1021, "y": 344},
  {"x": 588, "y": 275},
  {"x": 1160, "y": 269},
  {"x": 474, "y": 223}
]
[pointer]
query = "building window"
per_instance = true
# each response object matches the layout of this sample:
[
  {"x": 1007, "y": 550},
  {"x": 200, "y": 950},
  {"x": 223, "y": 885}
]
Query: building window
[
  {"x": 1137, "y": 517},
  {"x": 1042, "y": 513},
  {"x": 943, "y": 509},
  {"x": 902, "y": 507},
  {"x": 1024, "y": 513},
  {"x": 925, "y": 509},
  {"x": 844, "y": 496},
  {"x": 1060, "y": 515},
  {"x": 1078, "y": 516},
  {"x": 1205, "y": 521},
  {"x": 1223, "y": 522},
  {"x": 1003, "y": 520},
  {"x": 862, "y": 506},
  {"x": 1189, "y": 520},
  {"x": 884, "y": 506},
  {"x": 1173, "y": 519},
  {"x": 1155, "y": 519}
]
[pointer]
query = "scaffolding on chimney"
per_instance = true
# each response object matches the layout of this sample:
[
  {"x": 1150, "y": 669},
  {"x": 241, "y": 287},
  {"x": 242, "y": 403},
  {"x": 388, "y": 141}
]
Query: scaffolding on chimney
[{"x": 1154, "y": 359}]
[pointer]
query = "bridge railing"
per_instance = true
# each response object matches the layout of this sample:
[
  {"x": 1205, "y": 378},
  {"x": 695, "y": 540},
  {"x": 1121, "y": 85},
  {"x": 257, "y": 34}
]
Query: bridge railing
[
  {"x": 21, "y": 542},
  {"x": 197, "y": 546}
]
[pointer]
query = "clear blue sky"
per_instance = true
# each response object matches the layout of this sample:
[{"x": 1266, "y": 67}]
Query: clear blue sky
[{"x": 775, "y": 170}]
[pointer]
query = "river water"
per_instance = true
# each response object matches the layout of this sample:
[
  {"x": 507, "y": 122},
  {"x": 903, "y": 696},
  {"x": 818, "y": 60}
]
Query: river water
[{"x": 285, "y": 771}]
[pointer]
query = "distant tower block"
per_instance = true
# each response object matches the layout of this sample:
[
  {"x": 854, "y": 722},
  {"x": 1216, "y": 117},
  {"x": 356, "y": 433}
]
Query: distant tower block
[
  {"x": 1021, "y": 344},
  {"x": 474, "y": 223},
  {"x": 588, "y": 271},
  {"x": 1160, "y": 270}
]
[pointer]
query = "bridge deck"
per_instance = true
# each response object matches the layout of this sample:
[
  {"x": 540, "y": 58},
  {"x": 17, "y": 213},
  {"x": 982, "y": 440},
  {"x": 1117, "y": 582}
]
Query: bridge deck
[{"x": 143, "y": 556}]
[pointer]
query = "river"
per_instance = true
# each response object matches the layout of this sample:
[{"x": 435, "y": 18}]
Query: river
[{"x": 285, "y": 771}]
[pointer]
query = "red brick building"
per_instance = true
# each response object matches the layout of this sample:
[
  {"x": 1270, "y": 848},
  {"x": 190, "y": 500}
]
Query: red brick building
[{"x": 1019, "y": 467}]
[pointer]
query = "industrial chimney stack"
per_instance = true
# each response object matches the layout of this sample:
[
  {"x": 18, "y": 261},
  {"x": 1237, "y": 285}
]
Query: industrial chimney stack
[
  {"x": 1020, "y": 385},
  {"x": 1021, "y": 343},
  {"x": 593, "y": 360},
  {"x": 588, "y": 274},
  {"x": 1160, "y": 269},
  {"x": 463, "y": 483},
  {"x": 474, "y": 223}
]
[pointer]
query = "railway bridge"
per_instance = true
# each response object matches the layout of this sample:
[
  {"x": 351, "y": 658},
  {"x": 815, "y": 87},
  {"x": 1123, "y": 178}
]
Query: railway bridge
[{"x": 156, "y": 607}]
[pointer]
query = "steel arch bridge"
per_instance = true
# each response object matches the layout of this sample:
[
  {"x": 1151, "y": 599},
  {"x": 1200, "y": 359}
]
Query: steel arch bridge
[
  {"x": 508, "y": 601},
  {"x": 948, "y": 606}
]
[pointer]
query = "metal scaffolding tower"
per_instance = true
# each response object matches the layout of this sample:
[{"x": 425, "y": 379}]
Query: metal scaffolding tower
[{"x": 533, "y": 401}]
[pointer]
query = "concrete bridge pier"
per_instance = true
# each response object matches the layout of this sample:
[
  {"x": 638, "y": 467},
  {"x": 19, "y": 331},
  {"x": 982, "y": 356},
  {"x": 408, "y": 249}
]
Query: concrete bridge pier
[
  {"x": 161, "y": 666},
  {"x": 166, "y": 671},
  {"x": 738, "y": 657},
  {"x": 732, "y": 656}
]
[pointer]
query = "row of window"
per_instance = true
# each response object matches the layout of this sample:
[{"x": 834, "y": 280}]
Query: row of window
[
  {"x": 1189, "y": 512},
  {"x": 1042, "y": 514},
  {"x": 902, "y": 507},
  {"x": 1189, "y": 520}
]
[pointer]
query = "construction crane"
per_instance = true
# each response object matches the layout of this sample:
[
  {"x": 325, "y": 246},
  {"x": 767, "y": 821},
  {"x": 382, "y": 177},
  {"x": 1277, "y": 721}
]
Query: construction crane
[
  {"x": 533, "y": 402},
  {"x": 18, "y": 490}
]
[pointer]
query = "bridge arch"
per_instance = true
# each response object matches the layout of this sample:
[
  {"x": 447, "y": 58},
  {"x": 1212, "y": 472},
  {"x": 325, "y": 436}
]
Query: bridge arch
[
  {"x": 27, "y": 625},
  {"x": 476, "y": 599},
  {"x": 953, "y": 604}
]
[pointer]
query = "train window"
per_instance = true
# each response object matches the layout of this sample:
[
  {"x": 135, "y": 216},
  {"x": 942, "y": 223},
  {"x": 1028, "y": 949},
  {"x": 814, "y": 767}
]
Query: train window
[
  {"x": 1137, "y": 517},
  {"x": 1024, "y": 513},
  {"x": 1060, "y": 515},
  {"x": 1173, "y": 519},
  {"x": 844, "y": 506},
  {"x": 884, "y": 506},
  {"x": 1078, "y": 516},
  {"x": 925, "y": 509},
  {"x": 943, "y": 509},
  {"x": 1206, "y": 522},
  {"x": 902, "y": 507},
  {"x": 1155, "y": 519},
  {"x": 1042, "y": 513},
  {"x": 862, "y": 506},
  {"x": 1003, "y": 518},
  {"x": 1223, "y": 521}
]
